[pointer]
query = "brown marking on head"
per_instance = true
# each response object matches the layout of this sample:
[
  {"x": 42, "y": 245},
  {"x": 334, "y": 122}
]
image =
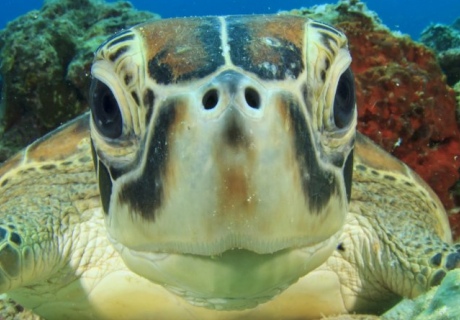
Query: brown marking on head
[
  {"x": 284, "y": 113},
  {"x": 177, "y": 130},
  {"x": 176, "y": 48},
  {"x": 235, "y": 193},
  {"x": 279, "y": 28},
  {"x": 291, "y": 161},
  {"x": 274, "y": 29},
  {"x": 236, "y": 161}
]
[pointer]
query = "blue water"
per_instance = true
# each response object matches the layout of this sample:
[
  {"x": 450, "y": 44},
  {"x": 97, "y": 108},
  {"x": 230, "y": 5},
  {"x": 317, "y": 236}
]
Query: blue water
[{"x": 407, "y": 16}]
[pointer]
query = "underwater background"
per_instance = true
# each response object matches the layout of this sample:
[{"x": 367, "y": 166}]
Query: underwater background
[{"x": 408, "y": 16}]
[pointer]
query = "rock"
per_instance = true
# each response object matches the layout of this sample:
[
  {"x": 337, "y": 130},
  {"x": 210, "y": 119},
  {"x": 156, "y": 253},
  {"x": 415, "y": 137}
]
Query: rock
[{"x": 445, "y": 41}]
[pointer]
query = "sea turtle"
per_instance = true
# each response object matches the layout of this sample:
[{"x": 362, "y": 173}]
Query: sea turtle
[{"x": 230, "y": 183}]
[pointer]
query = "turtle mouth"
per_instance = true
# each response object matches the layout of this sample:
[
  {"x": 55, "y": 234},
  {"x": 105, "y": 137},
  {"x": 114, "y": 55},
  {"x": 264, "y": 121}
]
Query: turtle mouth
[{"x": 233, "y": 280}]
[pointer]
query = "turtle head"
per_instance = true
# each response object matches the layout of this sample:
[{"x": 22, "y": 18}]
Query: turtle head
[{"x": 223, "y": 148}]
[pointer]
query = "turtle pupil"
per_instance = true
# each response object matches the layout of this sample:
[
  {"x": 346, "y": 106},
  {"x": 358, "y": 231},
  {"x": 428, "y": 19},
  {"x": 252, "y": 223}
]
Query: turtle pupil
[
  {"x": 108, "y": 105},
  {"x": 105, "y": 110},
  {"x": 344, "y": 102}
]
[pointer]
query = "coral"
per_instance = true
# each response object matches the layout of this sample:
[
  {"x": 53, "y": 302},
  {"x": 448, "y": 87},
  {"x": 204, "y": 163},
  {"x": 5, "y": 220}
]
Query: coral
[
  {"x": 45, "y": 63},
  {"x": 404, "y": 103},
  {"x": 440, "y": 37},
  {"x": 445, "y": 41}
]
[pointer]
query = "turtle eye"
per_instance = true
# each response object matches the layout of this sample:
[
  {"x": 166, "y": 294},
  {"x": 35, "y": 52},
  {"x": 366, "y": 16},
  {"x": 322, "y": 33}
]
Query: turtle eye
[
  {"x": 344, "y": 101},
  {"x": 105, "y": 110}
]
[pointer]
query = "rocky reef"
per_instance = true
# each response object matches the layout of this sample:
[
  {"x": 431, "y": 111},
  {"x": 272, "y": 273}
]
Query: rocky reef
[
  {"x": 404, "y": 102},
  {"x": 45, "y": 59},
  {"x": 445, "y": 41}
]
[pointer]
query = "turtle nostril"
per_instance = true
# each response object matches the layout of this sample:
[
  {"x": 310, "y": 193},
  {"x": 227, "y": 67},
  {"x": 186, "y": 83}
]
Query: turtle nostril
[
  {"x": 252, "y": 98},
  {"x": 210, "y": 99}
]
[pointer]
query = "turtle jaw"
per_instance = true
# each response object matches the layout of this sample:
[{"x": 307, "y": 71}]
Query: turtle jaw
[
  {"x": 234, "y": 280},
  {"x": 230, "y": 204},
  {"x": 245, "y": 205}
]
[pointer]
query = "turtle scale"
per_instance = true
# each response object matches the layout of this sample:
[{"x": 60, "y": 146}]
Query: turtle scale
[{"x": 58, "y": 260}]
